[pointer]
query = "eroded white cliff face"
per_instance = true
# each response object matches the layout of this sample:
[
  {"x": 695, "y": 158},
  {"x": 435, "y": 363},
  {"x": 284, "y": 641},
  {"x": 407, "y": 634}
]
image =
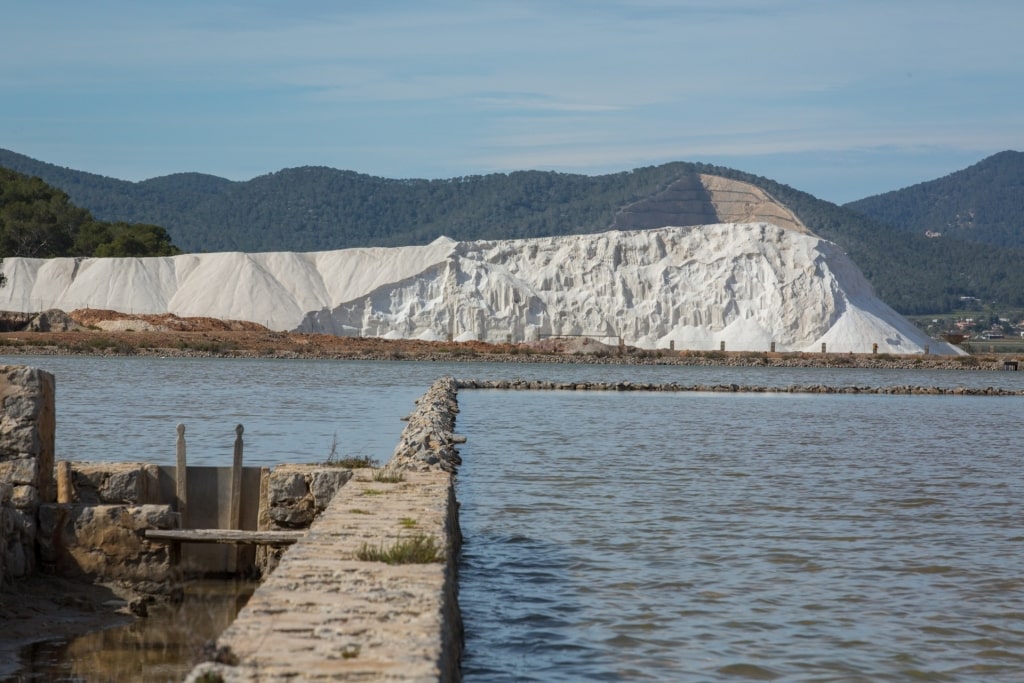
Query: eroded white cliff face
[{"x": 747, "y": 285}]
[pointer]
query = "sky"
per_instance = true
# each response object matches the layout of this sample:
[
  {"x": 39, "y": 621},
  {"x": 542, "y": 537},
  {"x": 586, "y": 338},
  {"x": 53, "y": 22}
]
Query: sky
[{"x": 838, "y": 98}]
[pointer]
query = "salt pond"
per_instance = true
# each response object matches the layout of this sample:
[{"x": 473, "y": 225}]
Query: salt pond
[{"x": 663, "y": 537}]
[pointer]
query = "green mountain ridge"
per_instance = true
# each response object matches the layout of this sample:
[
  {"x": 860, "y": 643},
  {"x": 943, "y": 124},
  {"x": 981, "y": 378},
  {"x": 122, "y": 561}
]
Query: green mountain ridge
[
  {"x": 318, "y": 208},
  {"x": 982, "y": 203}
]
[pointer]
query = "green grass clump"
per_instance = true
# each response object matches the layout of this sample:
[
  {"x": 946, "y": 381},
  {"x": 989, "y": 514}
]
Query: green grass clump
[{"x": 419, "y": 549}]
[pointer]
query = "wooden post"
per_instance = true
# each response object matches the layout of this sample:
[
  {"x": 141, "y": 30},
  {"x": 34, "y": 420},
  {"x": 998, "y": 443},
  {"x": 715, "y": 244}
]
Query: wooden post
[
  {"x": 263, "y": 522},
  {"x": 773, "y": 347},
  {"x": 235, "y": 511},
  {"x": 672, "y": 345},
  {"x": 721, "y": 346},
  {"x": 65, "y": 486},
  {"x": 823, "y": 348},
  {"x": 181, "y": 480}
]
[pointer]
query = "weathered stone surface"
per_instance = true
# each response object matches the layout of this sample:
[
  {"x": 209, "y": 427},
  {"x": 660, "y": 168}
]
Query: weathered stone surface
[
  {"x": 123, "y": 487},
  {"x": 106, "y": 542},
  {"x": 297, "y": 515},
  {"x": 286, "y": 486},
  {"x": 115, "y": 483},
  {"x": 427, "y": 442},
  {"x": 20, "y": 471},
  {"x": 25, "y": 497},
  {"x": 27, "y": 427},
  {"x": 324, "y": 484},
  {"x": 325, "y": 615}
]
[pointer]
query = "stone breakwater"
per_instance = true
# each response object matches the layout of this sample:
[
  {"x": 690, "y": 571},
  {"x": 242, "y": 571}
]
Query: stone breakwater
[
  {"x": 327, "y": 614},
  {"x": 537, "y": 385},
  {"x": 428, "y": 440}
]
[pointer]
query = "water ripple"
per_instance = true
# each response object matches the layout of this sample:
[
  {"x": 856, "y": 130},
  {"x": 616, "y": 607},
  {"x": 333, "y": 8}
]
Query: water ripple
[{"x": 754, "y": 540}]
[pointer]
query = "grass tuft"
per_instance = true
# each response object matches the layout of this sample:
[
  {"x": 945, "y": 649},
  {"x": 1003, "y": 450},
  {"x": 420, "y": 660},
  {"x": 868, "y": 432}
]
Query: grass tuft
[{"x": 419, "y": 549}]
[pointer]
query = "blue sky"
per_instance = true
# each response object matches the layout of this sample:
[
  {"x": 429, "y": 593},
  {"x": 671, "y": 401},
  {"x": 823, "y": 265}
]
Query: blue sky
[{"x": 841, "y": 99}]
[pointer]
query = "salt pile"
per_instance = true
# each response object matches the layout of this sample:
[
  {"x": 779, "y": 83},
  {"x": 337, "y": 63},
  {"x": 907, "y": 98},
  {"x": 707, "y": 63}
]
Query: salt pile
[{"x": 745, "y": 284}]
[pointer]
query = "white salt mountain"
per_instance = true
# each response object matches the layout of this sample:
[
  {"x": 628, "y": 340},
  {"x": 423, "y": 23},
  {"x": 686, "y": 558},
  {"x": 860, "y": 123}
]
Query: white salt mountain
[{"x": 744, "y": 284}]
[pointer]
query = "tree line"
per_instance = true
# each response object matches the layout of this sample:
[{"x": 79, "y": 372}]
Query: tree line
[{"x": 40, "y": 221}]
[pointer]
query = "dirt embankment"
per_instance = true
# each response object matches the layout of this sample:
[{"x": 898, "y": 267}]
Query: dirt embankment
[{"x": 98, "y": 332}]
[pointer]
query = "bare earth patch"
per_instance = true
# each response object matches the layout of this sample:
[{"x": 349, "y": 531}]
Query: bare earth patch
[{"x": 173, "y": 336}]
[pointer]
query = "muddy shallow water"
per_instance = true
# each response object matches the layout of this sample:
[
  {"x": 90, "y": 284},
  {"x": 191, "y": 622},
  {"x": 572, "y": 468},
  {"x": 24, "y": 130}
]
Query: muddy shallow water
[{"x": 164, "y": 646}]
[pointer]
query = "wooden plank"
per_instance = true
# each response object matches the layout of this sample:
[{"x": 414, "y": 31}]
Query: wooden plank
[{"x": 224, "y": 536}]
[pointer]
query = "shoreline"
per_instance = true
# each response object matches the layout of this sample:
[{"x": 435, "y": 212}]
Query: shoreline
[{"x": 280, "y": 345}]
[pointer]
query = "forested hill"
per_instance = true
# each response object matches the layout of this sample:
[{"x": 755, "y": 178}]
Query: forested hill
[
  {"x": 39, "y": 221},
  {"x": 316, "y": 208},
  {"x": 982, "y": 203}
]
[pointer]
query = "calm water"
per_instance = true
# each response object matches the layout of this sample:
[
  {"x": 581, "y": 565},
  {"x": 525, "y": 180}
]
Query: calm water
[
  {"x": 127, "y": 409},
  {"x": 687, "y": 537},
  {"x": 162, "y": 648},
  {"x": 707, "y": 537}
]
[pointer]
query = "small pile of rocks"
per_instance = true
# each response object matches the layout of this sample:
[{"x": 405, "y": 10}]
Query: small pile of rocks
[{"x": 428, "y": 441}]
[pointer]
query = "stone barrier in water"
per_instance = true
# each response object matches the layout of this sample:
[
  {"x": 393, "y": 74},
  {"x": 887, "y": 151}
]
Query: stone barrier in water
[
  {"x": 428, "y": 440},
  {"x": 542, "y": 385},
  {"x": 331, "y": 612}
]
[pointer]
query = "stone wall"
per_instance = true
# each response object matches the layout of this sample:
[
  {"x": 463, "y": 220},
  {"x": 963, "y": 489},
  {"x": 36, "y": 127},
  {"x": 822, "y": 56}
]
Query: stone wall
[
  {"x": 328, "y": 612},
  {"x": 26, "y": 464},
  {"x": 295, "y": 495}
]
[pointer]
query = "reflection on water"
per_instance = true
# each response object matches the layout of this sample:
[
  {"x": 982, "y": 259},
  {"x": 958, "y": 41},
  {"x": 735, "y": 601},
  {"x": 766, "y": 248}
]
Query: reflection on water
[
  {"x": 162, "y": 647},
  {"x": 742, "y": 537}
]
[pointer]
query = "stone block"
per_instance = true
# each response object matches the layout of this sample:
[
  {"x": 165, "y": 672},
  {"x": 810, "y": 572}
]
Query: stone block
[
  {"x": 324, "y": 483},
  {"x": 28, "y": 425},
  {"x": 286, "y": 487},
  {"x": 23, "y": 470},
  {"x": 115, "y": 483},
  {"x": 107, "y": 542},
  {"x": 123, "y": 487},
  {"x": 297, "y": 515},
  {"x": 25, "y": 497}
]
